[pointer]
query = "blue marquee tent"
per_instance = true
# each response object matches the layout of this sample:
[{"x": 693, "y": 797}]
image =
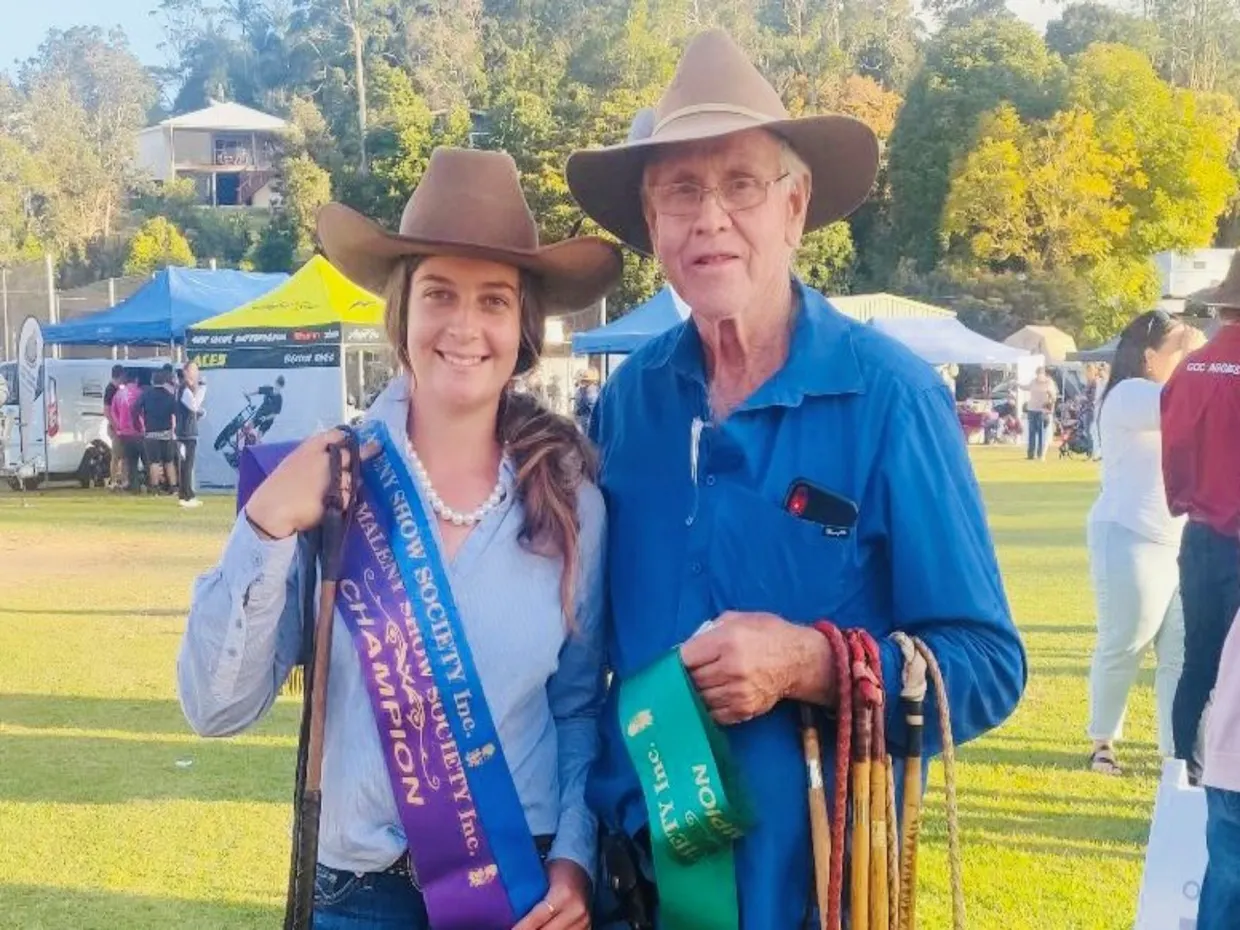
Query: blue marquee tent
[
  {"x": 947, "y": 341},
  {"x": 161, "y": 311},
  {"x": 660, "y": 313}
]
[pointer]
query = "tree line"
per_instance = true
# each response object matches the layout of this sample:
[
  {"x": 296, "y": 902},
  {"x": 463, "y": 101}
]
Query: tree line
[{"x": 1025, "y": 177}]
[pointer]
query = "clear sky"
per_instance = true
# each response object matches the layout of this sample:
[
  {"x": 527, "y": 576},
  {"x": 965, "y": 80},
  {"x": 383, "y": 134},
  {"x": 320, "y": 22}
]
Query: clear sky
[{"x": 24, "y": 23}]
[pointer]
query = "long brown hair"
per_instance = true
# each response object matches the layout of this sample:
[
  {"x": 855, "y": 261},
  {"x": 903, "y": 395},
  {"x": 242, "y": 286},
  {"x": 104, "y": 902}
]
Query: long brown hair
[{"x": 550, "y": 455}]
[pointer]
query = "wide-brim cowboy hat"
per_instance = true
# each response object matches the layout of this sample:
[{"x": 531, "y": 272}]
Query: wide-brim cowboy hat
[
  {"x": 717, "y": 92},
  {"x": 1227, "y": 294},
  {"x": 469, "y": 204}
]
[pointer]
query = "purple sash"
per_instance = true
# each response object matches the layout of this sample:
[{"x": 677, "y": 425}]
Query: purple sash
[{"x": 471, "y": 848}]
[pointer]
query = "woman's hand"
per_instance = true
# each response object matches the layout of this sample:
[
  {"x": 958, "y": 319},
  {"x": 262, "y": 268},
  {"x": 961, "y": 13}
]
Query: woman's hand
[
  {"x": 290, "y": 500},
  {"x": 567, "y": 904}
]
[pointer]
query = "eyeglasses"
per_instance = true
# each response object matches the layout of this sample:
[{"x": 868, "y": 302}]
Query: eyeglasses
[{"x": 734, "y": 195}]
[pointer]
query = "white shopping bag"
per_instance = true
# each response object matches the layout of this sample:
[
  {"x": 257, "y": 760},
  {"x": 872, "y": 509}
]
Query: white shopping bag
[{"x": 1175, "y": 862}]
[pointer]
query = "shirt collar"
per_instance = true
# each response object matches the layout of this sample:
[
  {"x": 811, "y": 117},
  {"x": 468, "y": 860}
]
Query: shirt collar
[{"x": 821, "y": 358}]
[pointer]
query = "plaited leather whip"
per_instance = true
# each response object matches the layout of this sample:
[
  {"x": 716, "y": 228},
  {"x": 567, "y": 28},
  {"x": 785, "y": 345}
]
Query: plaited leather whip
[{"x": 308, "y": 793}]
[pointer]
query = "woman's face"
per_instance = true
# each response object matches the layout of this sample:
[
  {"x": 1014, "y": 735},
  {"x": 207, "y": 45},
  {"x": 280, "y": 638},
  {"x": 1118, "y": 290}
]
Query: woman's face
[
  {"x": 464, "y": 330},
  {"x": 1161, "y": 363}
]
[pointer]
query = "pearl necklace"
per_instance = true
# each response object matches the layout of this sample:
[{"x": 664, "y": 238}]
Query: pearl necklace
[{"x": 442, "y": 510}]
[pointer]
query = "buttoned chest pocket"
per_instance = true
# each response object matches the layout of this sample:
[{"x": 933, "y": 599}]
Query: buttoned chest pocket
[{"x": 765, "y": 559}]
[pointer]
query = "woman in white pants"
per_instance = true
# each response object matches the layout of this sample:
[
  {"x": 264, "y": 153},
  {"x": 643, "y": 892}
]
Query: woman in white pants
[{"x": 1134, "y": 541}]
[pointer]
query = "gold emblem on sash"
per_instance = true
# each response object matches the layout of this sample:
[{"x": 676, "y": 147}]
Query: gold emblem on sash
[
  {"x": 479, "y": 878},
  {"x": 475, "y": 757},
  {"x": 642, "y": 720}
]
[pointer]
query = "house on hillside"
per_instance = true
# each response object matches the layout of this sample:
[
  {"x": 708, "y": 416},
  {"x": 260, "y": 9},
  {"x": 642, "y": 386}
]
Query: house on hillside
[
  {"x": 1185, "y": 274},
  {"x": 228, "y": 150}
]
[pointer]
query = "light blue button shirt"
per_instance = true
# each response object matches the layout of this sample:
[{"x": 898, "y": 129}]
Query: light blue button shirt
[{"x": 543, "y": 684}]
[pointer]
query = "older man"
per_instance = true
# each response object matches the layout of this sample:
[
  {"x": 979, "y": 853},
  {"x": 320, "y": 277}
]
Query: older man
[{"x": 705, "y": 431}]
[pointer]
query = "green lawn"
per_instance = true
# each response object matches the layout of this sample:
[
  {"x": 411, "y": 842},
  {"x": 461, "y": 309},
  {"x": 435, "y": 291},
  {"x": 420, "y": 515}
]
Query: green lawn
[{"x": 113, "y": 815}]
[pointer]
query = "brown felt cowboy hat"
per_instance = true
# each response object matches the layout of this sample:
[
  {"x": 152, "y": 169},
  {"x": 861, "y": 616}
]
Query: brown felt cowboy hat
[
  {"x": 469, "y": 204},
  {"x": 717, "y": 92},
  {"x": 1227, "y": 294}
]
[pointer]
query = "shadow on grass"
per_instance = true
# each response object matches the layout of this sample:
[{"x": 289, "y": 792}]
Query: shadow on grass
[
  {"x": 155, "y": 718},
  {"x": 1052, "y": 629},
  {"x": 1038, "y": 670},
  {"x": 1050, "y": 829},
  {"x": 988, "y": 753},
  {"x": 36, "y": 907},
  {"x": 1038, "y": 538},
  {"x": 100, "y": 612},
  {"x": 1072, "y": 827},
  {"x": 1035, "y": 798},
  {"x": 110, "y": 771}
]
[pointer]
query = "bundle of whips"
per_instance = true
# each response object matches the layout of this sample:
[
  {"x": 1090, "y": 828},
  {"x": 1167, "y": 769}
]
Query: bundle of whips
[
  {"x": 883, "y": 885},
  {"x": 308, "y": 795}
]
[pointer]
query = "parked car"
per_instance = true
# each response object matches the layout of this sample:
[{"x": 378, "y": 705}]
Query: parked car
[{"x": 69, "y": 435}]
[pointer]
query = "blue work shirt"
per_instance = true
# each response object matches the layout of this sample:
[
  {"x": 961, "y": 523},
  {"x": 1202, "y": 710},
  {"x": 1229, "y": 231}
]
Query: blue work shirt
[{"x": 856, "y": 414}]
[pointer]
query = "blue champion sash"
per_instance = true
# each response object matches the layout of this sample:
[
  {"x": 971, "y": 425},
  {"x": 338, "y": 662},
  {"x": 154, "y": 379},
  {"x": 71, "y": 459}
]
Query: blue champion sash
[{"x": 467, "y": 833}]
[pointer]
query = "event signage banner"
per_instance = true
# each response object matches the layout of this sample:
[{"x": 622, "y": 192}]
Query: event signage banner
[
  {"x": 364, "y": 335},
  {"x": 264, "y": 337},
  {"x": 316, "y": 357},
  {"x": 248, "y": 405},
  {"x": 29, "y": 360}
]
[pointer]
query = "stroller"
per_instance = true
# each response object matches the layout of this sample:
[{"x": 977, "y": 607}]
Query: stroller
[{"x": 1075, "y": 441}]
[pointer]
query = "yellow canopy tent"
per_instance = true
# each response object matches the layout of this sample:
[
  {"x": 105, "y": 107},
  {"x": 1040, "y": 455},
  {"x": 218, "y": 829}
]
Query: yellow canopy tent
[
  {"x": 304, "y": 357},
  {"x": 317, "y": 295}
]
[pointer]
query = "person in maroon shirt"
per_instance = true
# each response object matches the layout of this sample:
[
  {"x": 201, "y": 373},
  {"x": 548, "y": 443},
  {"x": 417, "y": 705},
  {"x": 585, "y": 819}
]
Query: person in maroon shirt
[{"x": 1201, "y": 470}]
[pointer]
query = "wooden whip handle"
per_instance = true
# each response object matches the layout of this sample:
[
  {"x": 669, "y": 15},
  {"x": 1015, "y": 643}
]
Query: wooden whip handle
[
  {"x": 880, "y": 900},
  {"x": 819, "y": 822},
  {"x": 860, "y": 873},
  {"x": 912, "y": 830}
]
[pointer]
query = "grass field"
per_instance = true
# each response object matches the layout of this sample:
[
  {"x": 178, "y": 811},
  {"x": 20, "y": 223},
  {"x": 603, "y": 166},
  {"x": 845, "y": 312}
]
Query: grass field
[{"x": 114, "y": 816}]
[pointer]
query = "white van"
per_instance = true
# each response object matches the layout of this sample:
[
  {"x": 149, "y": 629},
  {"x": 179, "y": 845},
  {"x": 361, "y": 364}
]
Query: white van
[{"x": 69, "y": 437}]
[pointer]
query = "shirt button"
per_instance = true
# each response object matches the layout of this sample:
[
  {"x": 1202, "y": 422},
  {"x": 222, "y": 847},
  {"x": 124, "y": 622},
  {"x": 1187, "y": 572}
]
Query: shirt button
[
  {"x": 689, "y": 521},
  {"x": 696, "y": 568},
  {"x": 710, "y": 481}
]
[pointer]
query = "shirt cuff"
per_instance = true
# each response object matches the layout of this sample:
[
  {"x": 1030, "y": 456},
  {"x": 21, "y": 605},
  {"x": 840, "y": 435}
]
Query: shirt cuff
[
  {"x": 254, "y": 565},
  {"x": 577, "y": 840}
]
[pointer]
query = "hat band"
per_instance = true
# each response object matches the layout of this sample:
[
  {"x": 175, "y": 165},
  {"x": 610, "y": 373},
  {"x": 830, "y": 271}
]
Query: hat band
[{"x": 728, "y": 108}]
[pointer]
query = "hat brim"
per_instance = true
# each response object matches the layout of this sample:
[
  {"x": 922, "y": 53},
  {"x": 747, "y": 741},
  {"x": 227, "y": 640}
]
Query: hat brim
[
  {"x": 841, "y": 153},
  {"x": 575, "y": 273},
  {"x": 1224, "y": 297}
]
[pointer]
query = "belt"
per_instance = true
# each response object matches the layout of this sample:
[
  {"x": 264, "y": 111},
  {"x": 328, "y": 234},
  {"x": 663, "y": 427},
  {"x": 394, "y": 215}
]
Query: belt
[{"x": 404, "y": 865}]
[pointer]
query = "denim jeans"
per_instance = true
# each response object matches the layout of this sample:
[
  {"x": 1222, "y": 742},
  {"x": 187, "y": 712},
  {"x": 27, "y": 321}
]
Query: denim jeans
[
  {"x": 1037, "y": 434},
  {"x": 1220, "y": 893},
  {"x": 373, "y": 901},
  {"x": 1210, "y": 591}
]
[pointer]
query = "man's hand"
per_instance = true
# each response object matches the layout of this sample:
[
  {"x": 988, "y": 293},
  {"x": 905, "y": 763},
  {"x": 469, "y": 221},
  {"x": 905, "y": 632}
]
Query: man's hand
[{"x": 747, "y": 662}]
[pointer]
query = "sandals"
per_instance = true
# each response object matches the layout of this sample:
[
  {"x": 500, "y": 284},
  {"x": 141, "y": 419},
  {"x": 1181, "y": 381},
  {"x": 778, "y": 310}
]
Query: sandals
[{"x": 1102, "y": 760}]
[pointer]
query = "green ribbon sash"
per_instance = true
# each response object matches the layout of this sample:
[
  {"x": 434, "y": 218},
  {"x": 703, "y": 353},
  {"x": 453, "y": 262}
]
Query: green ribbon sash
[{"x": 696, "y": 806}]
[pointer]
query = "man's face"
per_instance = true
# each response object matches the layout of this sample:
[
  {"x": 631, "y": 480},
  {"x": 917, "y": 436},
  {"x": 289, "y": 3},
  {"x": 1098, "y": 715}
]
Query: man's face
[
  {"x": 723, "y": 263},
  {"x": 191, "y": 373}
]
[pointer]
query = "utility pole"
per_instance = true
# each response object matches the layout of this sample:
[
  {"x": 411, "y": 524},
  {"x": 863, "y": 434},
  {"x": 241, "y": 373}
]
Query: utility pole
[
  {"x": 53, "y": 309},
  {"x": 4, "y": 300}
]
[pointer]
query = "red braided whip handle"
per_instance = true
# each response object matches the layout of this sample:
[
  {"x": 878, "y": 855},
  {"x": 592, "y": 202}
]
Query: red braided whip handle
[{"x": 843, "y": 752}]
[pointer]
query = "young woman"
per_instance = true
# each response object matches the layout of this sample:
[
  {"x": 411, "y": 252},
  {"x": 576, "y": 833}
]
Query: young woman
[
  {"x": 505, "y": 490},
  {"x": 1133, "y": 539}
]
